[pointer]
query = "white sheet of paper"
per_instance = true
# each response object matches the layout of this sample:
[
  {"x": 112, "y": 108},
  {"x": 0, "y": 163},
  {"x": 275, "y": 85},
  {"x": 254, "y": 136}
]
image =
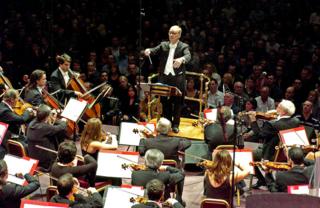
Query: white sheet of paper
[
  {"x": 304, "y": 189},
  {"x": 212, "y": 115},
  {"x": 110, "y": 163},
  {"x": 127, "y": 134},
  {"x": 74, "y": 109},
  {"x": 295, "y": 138},
  {"x": 3, "y": 130},
  {"x": 244, "y": 159},
  {"x": 120, "y": 197},
  {"x": 18, "y": 165},
  {"x": 38, "y": 206}
]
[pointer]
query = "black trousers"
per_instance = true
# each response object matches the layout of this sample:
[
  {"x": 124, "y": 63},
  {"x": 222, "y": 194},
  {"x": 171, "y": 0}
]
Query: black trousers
[{"x": 172, "y": 106}]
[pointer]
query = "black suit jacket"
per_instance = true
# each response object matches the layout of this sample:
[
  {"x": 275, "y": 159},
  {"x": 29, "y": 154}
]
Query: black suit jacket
[
  {"x": 57, "y": 83},
  {"x": 182, "y": 50},
  {"x": 213, "y": 135},
  {"x": 169, "y": 146},
  {"x": 46, "y": 135},
  {"x": 14, "y": 120},
  {"x": 142, "y": 177},
  {"x": 11, "y": 193},
  {"x": 269, "y": 134},
  {"x": 33, "y": 96},
  {"x": 94, "y": 201},
  {"x": 154, "y": 205},
  {"x": 295, "y": 176}
]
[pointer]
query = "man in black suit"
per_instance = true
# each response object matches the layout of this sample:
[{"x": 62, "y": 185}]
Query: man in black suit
[
  {"x": 155, "y": 190},
  {"x": 33, "y": 91},
  {"x": 11, "y": 193},
  {"x": 169, "y": 146},
  {"x": 66, "y": 186},
  {"x": 297, "y": 175},
  {"x": 214, "y": 132},
  {"x": 154, "y": 170},
  {"x": 42, "y": 131},
  {"x": 8, "y": 116},
  {"x": 269, "y": 134},
  {"x": 60, "y": 78},
  {"x": 174, "y": 54}
]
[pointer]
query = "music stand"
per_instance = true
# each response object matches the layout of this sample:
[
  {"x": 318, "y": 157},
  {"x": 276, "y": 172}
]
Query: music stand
[{"x": 74, "y": 111}]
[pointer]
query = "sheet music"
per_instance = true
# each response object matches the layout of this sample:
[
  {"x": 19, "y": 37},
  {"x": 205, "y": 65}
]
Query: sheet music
[
  {"x": 244, "y": 157},
  {"x": 18, "y": 165},
  {"x": 120, "y": 197},
  {"x": 128, "y": 135},
  {"x": 26, "y": 203},
  {"x": 211, "y": 114},
  {"x": 298, "y": 189},
  {"x": 74, "y": 109},
  {"x": 110, "y": 163},
  {"x": 295, "y": 136},
  {"x": 3, "y": 130}
]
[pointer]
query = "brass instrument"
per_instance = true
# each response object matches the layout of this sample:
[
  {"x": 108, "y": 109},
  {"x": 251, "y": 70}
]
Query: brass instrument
[{"x": 202, "y": 77}]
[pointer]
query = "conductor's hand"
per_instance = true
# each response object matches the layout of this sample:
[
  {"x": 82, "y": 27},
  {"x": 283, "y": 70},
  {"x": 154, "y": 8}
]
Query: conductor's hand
[
  {"x": 177, "y": 62},
  {"x": 147, "y": 52}
]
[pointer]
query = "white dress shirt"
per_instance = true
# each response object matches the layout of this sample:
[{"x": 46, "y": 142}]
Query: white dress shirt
[
  {"x": 65, "y": 76},
  {"x": 169, "y": 65}
]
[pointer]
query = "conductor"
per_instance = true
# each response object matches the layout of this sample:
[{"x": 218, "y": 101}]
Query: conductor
[{"x": 173, "y": 55}]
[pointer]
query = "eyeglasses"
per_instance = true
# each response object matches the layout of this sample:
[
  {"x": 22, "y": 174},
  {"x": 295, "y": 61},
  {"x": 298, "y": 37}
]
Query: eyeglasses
[{"x": 173, "y": 33}]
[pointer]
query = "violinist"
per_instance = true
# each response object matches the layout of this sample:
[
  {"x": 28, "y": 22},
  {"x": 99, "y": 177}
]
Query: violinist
[
  {"x": 67, "y": 163},
  {"x": 155, "y": 190},
  {"x": 8, "y": 116},
  {"x": 59, "y": 79},
  {"x": 68, "y": 194},
  {"x": 170, "y": 176},
  {"x": 34, "y": 89},
  {"x": 44, "y": 133},
  {"x": 218, "y": 178},
  {"x": 297, "y": 175},
  {"x": 169, "y": 146},
  {"x": 269, "y": 133},
  {"x": 213, "y": 133},
  {"x": 11, "y": 193}
]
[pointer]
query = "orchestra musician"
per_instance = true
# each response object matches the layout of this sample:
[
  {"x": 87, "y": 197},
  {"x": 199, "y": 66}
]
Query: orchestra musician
[
  {"x": 93, "y": 139},
  {"x": 155, "y": 190},
  {"x": 174, "y": 54},
  {"x": 8, "y": 116},
  {"x": 11, "y": 193},
  {"x": 213, "y": 133},
  {"x": 218, "y": 178},
  {"x": 67, "y": 163},
  {"x": 68, "y": 194},
  {"x": 34, "y": 89},
  {"x": 44, "y": 133},
  {"x": 170, "y": 176},
  {"x": 299, "y": 174},
  {"x": 59, "y": 79},
  {"x": 269, "y": 134},
  {"x": 169, "y": 146}
]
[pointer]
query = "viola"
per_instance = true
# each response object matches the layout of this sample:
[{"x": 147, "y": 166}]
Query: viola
[
  {"x": 261, "y": 115},
  {"x": 145, "y": 132}
]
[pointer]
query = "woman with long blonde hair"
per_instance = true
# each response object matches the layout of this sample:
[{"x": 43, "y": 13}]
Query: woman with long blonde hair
[
  {"x": 94, "y": 139},
  {"x": 218, "y": 178}
]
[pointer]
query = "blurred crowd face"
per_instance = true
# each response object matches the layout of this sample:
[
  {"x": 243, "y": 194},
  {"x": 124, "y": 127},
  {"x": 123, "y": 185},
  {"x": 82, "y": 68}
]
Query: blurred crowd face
[{"x": 307, "y": 107}]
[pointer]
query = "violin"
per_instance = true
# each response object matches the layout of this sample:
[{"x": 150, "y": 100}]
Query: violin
[
  {"x": 145, "y": 132},
  {"x": 261, "y": 115},
  {"x": 144, "y": 200},
  {"x": 133, "y": 166},
  {"x": 206, "y": 164},
  {"x": 272, "y": 165}
]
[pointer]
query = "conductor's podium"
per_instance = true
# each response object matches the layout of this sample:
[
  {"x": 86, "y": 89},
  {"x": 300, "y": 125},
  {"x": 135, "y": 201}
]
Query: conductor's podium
[{"x": 188, "y": 129}]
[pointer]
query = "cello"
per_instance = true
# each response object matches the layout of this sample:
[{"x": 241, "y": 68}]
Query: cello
[
  {"x": 55, "y": 104},
  {"x": 94, "y": 109}
]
